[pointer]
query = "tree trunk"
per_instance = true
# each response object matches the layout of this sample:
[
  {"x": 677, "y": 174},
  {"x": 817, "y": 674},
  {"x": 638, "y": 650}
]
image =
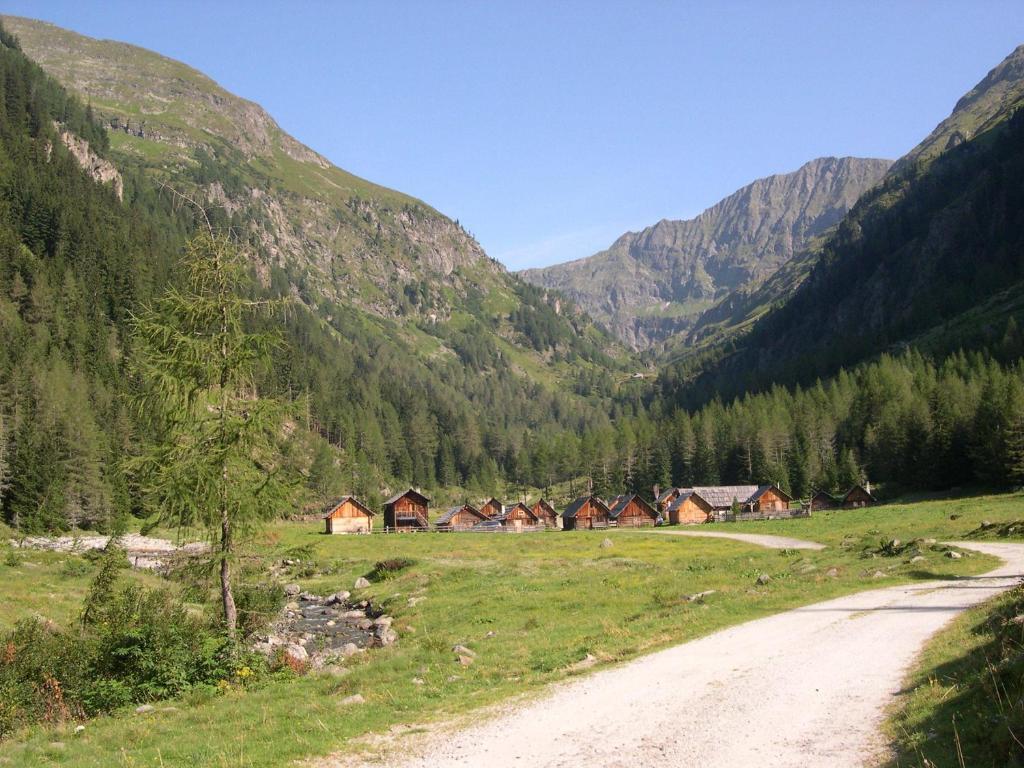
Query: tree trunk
[{"x": 227, "y": 597}]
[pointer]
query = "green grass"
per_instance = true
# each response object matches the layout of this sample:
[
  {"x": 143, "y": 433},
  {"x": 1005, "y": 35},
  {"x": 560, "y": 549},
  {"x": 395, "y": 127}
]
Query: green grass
[
  {"x": 963, "y": 705},
  {"x": 529, "y": 605}
]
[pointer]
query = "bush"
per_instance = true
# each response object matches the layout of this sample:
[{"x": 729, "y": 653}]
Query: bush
[
  {"x": 385, "y": 569},
  {"x": 257, "y": 605}
]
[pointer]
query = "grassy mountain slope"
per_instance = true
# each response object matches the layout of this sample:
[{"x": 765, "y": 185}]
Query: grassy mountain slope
[
  {"x": 929, "y": 257},
  {"x": 424, "y": 361},
  {"x": 655, "y": 283}
]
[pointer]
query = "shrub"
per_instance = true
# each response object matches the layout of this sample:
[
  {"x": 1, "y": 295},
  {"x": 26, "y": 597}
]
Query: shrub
[
  {"x": 385, "y": 569},
  {"x": 257, "y": 605}
]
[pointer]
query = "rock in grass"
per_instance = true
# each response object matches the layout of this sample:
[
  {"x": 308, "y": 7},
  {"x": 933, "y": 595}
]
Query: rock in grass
[
  {"x": 585, "y": 663},
  {"x": 144, "y": 709},
  {"x": 465, "y": 660},
  {"x": 349, "y": 649},
  {"x": 79, "y": 729},
  {"x": 917, "y": 558},
  {"x": 953, "y": 555},
  {"x": 361, "y": 583},
  {"x": 606, "y": 544},
  {"x": 355, "y": 698},
  {"x": 461, "y": 650},
  {"x": 699, "y": 597},
  {"x": 292, "y": 589},
  {"x": 832, "y": 572},
  {"x": 763, "y": 579},
  {"x": 296, "y": 652}
]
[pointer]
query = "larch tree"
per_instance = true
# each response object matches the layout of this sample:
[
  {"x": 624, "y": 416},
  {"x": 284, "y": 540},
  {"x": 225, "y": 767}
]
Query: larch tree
[{"x": 212, "y": 456}]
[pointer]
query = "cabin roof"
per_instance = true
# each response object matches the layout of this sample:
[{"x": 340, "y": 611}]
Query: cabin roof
[
  {"x": 684, "y": 495},
  {"x": 824, "y": 495},
  {"x": 329, "y": 509},
  {"x": 544, "y": 504},
  {"x": 453, "y": 511},
  {"x": 762, "y": 490},
  {"x": 579, "y": 503},
  {"x": 858, "y": 488},
  {"x": 621, "y": 502},
  {"x": 668, "y": 492},
  {"x": 409, "y": 492}
]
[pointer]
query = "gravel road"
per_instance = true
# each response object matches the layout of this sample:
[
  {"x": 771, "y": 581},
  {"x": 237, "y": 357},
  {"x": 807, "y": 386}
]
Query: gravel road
[
  {"x": 803, "y": 688},
  {"x": 763, "y": 540}
]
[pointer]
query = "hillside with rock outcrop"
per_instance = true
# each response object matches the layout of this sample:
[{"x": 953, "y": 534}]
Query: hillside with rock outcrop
[{"x": 652, "y": 284}]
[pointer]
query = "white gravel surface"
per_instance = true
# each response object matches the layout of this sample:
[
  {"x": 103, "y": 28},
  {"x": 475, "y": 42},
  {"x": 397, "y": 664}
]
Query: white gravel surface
[
  {"x": 142, "y": 551},
  {"x": 803, "y": 688}
]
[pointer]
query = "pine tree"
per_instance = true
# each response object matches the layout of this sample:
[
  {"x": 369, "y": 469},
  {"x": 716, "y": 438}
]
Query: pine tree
[{"x": 212, "y": 458}]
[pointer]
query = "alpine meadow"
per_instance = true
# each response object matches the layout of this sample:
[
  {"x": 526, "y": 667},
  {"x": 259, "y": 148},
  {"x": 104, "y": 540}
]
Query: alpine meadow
[{"x": 293, "y": 473}]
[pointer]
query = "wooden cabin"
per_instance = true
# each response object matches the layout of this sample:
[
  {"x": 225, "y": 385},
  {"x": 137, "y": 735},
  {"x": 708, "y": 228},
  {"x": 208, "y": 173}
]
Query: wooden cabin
[
  {"x": 689, "y": 508},
  {"x": 546, "y": 514},
  {"x": 585, "y": 512},
  {"x": 406, "y": 511},
  {"x": 769, "y": 500},
  {"x": 348, "y": 515},
  {"x": 518, "y": 517},
  {"x": 858, "y": 497},
  {"x": 492, "y": 508},
  {"x": 460, "y": 518},
  {"x": 666, "y": 498},
  {"x": 631, "y": 511},
  {"x": 824, "y": 500}
]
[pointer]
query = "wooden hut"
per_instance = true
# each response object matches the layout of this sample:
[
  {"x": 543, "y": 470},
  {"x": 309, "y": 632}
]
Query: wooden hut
[
  {"x": 518, "y": 517},
  {"x": 667, "y": 497},
  {"x": 460, "y": 518},
  {"x": 406, "y": 511},
  {"x": 858, "y": 497},
  {"x": 585, "y": 512},
  {"x": 546, "y": 514},
  {"x": 348, "y": 515},
  {"x": 631, "y": 511},
  {"x": 768, "y": 500},
  {"x": 492, "y": 508},
  {"x": 822, "y": 500},
  {"x": 689, "y": 508}
]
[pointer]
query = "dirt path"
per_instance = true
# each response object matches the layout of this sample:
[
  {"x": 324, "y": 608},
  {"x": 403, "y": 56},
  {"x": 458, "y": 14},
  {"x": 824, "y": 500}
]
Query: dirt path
[
  {"x": 803, "y": 688},
  {"x": 764, "y": 540}
]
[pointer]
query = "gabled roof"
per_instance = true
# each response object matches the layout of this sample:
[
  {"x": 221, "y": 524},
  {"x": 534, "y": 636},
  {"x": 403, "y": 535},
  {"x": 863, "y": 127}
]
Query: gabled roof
[
  {"x": 685, "y": 494},
  {"x": 579, "y": 503},
  {"x": 721, "y": 496},
  {"x": 762, "y": 490},
  {"x": 825, "y": 495},
  {"x": 410, "y": 492},
  {"x": 668, "y": 492},
  {"x": 453, "y": 511},
  {"x": 621, "y": 502},
  {"x": 506, "y": 511},
  {"x": 329, "y": 509},
  {"x": 545, "y": 505},
  {"x": 860, "y": 488}
]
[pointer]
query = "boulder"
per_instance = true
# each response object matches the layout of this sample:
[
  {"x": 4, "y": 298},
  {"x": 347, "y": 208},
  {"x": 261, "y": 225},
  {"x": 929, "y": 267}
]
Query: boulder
[
  {"x": 383, "y": 621},
  {"x": 917, "y": 558},
  {"x": 338, "y": 597},
  {"x": 465, "y": 660},
  {"x": 79, "y": 729},
  {"x": 832, "y": 572},
  {"x": 953, "y": 555},
  {"x": 355, "y": 698},
  {"x": 385, "y": 636},
  {"x": 292, "y": 589},
  {"x": 461, "y": 650},
  {"x": 364, "y": 624},
  {"x": 699, "y": 597},
  {"x": 361, "y": 583},
  {"x": 144, "y": 709},
  {"x": 763, "y": 579},
  {"x": 349, "y": 649},
  {"x": 296, "y": 652}
]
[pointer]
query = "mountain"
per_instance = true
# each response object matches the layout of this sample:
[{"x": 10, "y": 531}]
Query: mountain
[
  {"x": 419, "y": 360},
  {"x": 655, "y": 283},
  {"x": 929, "y": 258}
]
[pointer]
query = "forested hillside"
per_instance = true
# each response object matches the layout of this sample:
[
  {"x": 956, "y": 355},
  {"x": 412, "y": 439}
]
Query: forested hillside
[{"x": 386, "y": 400}]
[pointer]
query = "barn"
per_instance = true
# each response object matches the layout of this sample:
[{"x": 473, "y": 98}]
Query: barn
[
  {"x": 754, "y": 501},
  {"x": 689, "y": 508},
  {"x": 858, "y": 497},
  {"x": 546, "y": 514},
  {"x": 822, "y": 500},
  {"x": 406, "y": 511},
  {"x": 631, "y": 511},
  {"x": 585, "y": 512},
  {"x": 518, "y": 517},
  {"x": 492, "y": 508},
  {"x": 347, "y": 515},
  {"x": 460, "y": 518}
]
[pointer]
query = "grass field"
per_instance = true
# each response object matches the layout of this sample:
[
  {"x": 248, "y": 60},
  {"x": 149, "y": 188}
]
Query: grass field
[{"x": 530, "y": 606}]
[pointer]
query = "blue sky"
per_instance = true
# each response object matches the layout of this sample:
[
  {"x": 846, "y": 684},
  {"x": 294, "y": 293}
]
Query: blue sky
[{"x": 548, "y": 129}]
